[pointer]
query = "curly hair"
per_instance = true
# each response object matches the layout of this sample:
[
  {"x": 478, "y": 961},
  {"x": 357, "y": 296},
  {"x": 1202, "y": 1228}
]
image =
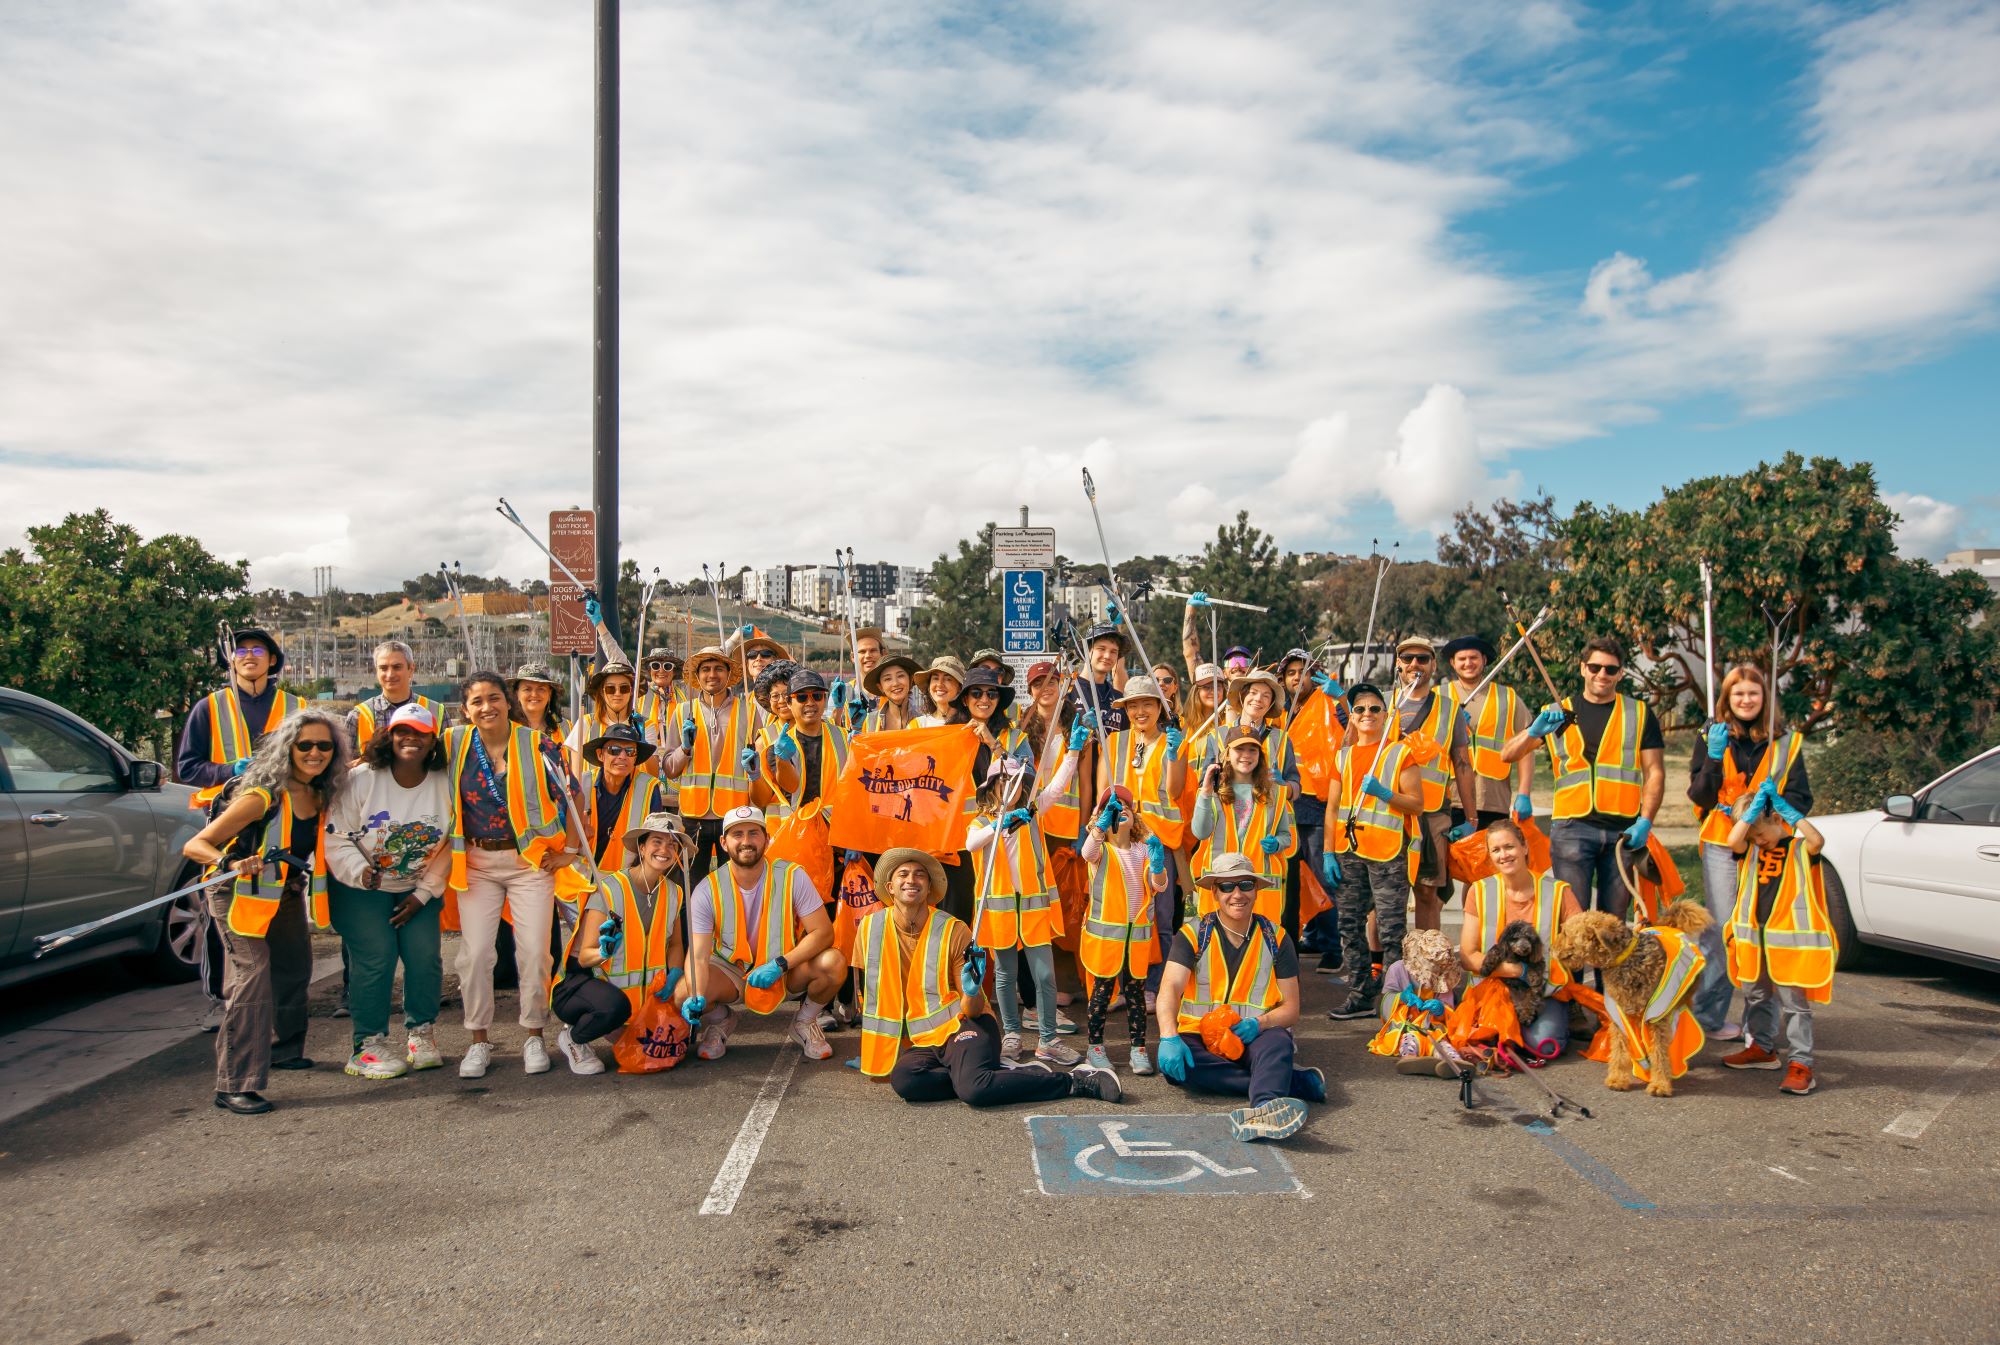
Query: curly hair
[
  {"x": 270, "y": 769},
  {"x": 380, "y": 753}
]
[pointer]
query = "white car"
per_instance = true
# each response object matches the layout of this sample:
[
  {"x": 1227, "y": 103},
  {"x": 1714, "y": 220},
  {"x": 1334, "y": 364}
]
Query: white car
[{"x": 1922, "y": 872}]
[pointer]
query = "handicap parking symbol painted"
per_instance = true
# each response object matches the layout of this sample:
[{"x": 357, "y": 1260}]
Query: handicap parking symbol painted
[{"x": 1175, "y": 1154}]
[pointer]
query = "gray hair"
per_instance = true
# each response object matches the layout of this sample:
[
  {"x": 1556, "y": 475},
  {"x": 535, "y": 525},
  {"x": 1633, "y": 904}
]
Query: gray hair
[
  {"x": 394, "y": 647},
  {"x": 271, "y": 767}
]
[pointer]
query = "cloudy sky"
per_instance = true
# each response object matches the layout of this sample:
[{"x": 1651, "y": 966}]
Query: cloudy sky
[{"x": 312, "y": 281}]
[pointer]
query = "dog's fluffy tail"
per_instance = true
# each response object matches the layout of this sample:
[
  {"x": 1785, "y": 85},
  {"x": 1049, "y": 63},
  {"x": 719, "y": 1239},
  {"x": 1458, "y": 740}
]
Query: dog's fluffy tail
[{"x": 1688, "y": 916}]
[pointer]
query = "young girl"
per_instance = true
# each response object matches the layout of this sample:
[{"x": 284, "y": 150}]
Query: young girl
[
  {"x": 1128, "y": 873},
  {"x": 1781, "y": 941},
  {"x": 1256, "y": 820}
]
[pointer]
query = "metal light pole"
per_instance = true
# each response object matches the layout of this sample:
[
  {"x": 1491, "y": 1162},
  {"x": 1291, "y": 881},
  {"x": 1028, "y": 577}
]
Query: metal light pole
[{"x": 604, "y": 364}]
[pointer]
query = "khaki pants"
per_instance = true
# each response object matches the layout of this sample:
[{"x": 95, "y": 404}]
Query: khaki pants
[
  {"x": 494, "y": 878},
  {"x": 263, "y": 993}
]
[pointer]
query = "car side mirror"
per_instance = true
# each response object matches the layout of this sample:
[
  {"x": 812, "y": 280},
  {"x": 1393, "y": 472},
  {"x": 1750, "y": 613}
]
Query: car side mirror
[
  {"x": 1901, "y": 806},
  {"x": 144, "y": 775}
]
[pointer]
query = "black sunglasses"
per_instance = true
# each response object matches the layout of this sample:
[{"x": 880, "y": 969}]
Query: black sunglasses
[
  {"x": 1414, "y": 658},
  {"x": 618, "y": 750},
  {"x": 982, "y": 694},
  {"x": 1603, "y": 669},
  {"x": 1236, "y": 885},
  {"x": 809, "y": 697},
  {"x": 312, "y": 745}
]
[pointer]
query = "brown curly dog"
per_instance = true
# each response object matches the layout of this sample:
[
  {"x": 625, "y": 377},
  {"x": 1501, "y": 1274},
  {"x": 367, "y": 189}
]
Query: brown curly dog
[{"x": 1599, "y": 939}]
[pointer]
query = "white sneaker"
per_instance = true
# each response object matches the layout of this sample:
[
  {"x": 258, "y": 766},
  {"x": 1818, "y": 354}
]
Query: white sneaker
[
  {"x": 535, "y": 1056},
  {"x": 477, "y": 1057},
  {"x": 422, "y": 1048},
  {"x": 582, "y": 1060},
  {"x": 1010, "y": 1046},
  {"x": 805, "y": 1031},
  {"x": 211, "y": 1017},
  {"x": 376, "y": 1059},
  {"x": 715, "y": 1033},
  {"x": 1058, "y": 1052}
]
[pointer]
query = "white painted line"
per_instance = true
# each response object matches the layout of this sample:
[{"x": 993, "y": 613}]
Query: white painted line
[
  {"x": 1912, "y": 1123},
  {"x": 43, "y": 1062},
  {"x": 734, "y": 1174}
]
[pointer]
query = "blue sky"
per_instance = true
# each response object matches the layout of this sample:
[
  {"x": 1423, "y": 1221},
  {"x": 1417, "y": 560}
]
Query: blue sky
[{"x": 892, "y": 270}]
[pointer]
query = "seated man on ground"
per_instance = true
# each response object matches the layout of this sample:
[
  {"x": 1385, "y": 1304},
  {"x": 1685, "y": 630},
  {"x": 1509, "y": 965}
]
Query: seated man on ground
[
  {"x": 1236, "y": 961},
  {"x": 925, "y": 1021},
  {"x": 757, "y": 932}
]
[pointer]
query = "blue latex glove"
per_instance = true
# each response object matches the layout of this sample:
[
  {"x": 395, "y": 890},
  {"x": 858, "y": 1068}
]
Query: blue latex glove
[
  {"x": 849, "y": 856},
  {"x": 836, "y": 695},
  {"x": 1326, "y": 682},
  {"x": 1329, "y": 869},
  {"x": 1636, "y": 834},
  {"x": 691, "y": 1008},
  {"x": 1784, "y": 809},
  {"x": 1524, "y": 807},
  {"x": 1197, "y": 599},
  {"x": 687, "y": 735},
  {"x": 1725, "y": 810},
  {"x": 1107, "y": 819},
  {"x": 784, "y": 749},
  {"x": 1246, "y": 1029},
  {"x": 240, "y": 765},
  {"x": 666, "y": 994},
  {"x": 1270, "y": 845},
  {"x": 1459, "y": 832},
  {"x": 593, "y": 609},
  {"x": 1174, "y": 1058},
  {"x": 748, "y": 631},
  {"x": 1079, "y": 736},
  {"x": 1014, "y": 820},
  {"x": 1111, "y": 612},
  {"x": 972, "y": 975},
  {"x": 1547, "y": 722},
  {"x": 1755, "y": 806},
  {"x": 765, "y": 975},
  {"x": 1174, "y": 740},
  {"x": 1718, "y": 741},
  {"x": 751, "y": 766},
  {"x": 1375, "y": 789},
  {"x": 609, "y": 936},
  {"x": 1156, "y": 854}
]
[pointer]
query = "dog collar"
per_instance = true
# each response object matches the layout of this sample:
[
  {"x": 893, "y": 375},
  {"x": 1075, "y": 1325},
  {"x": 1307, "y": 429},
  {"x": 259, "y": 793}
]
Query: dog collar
[{"x": 1627, "y": 953}]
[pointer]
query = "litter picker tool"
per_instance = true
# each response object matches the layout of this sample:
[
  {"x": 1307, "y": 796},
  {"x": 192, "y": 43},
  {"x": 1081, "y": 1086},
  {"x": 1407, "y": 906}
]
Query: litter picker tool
[
  {"x": 1771, "y": 699},
  {"x": 1708, "y": 628},
  {"x": 48, "y": 943},
  {"x": 715, "y": 594},
  {"x": 1541, "y": 619},
  {"x": 1212, "y": 602},
  {"x": 506, "y": 511},
  {"x": 645, "y": 605},
  {"x": 225, "y": 646},
  {"x": 1111, "y": 576},
  {"x": 1555, "y": 697},
  {"x": 1381, "y": 572},
  {"x": 453, "y": 586},
  {"x": 1556, "y": 1100}
]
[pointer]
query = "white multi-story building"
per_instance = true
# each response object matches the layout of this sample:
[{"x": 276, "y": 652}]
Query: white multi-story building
[{"x": 1086, "y": 602}]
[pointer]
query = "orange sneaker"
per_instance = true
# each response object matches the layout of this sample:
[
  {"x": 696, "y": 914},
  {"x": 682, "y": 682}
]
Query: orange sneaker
[
  {"x": 1752, "y": 1056},
  {"x": 1798, "y": 1080}
]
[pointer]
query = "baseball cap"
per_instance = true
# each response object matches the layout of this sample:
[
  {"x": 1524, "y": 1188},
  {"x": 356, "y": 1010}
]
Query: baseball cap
[
  {"x": 412, "y": 715},
  {"x": 748, "y": 812}
]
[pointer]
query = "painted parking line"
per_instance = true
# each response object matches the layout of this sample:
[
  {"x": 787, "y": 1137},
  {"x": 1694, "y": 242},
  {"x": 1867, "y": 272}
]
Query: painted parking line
[
  {"x": 734, "y": 1174},
  {"x": 74, "y": 1050},
  {"x": 1163, "y": 1155},
  {"x": 1912, "y": 1123}
]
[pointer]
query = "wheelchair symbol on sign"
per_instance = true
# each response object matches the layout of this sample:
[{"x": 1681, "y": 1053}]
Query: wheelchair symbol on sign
[
  {"x": 1120, "y": 1147},
  {"x": 1023, "y": 590}
]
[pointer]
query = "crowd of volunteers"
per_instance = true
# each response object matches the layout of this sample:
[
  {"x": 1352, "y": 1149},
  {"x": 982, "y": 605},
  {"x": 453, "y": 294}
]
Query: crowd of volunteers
[{"x": 1174, "y": 845}]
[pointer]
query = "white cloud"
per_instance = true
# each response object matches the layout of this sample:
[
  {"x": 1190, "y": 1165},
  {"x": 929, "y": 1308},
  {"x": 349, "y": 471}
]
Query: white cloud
[
  {"x": 1436, "y": 467},
  {"x": 1926, "y": 527}
]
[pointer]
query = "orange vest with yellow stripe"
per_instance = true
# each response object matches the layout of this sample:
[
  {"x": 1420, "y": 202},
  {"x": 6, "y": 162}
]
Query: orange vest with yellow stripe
[
  {"x": 776, "y": 928},
  {"x": 1666, "y": 1007},
  {"x": 365, "y": 725},
  {"x": 1491, "y": 728},
  {"x": 642, "y": 796},
  {"x": 643, "y": 951},
  {"x": 253, "y": 901},
  {"x": 1118, "y": 930},
  {"x": 1439, "y": 724},
  {"x": 1063, "y": 817},
  {"x": 1144, "y": 773},
  {"x": 230, "y": 738},
  {"x": 1490, "y": 896},
  {"x": 1016, "y": 888},
  {"x": 715, "y": 781},
  {"x": 1796, "y": 946},
  {"x": 533, "y": 810},
  {"x": 922, "y": 1001},
  {"x": 1610, "y": 783},
  {"x": 1361, "y": 823},
  {"x": 1715, "y": 828},
  {"x": 1267, "y": 817},
  {"x": 1252, "y": 990}
]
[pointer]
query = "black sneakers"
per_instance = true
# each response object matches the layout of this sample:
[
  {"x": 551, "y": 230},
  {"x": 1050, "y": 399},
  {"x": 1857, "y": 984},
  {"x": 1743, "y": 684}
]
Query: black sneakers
[
  {"x": 1090, "y": 1081},
  {"x": 1360, "y": 1001}
]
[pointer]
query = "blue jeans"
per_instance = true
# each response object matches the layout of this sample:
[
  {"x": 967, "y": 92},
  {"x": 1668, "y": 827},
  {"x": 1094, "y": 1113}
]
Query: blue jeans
[
  {"x": 1584, "y": 855},
  {"x": 1551, "y": 1027},
  {"x": 1265, "y": 1072},
  {"x": 1713, "y": 991},
  {"x": 1007, "y": 971}
]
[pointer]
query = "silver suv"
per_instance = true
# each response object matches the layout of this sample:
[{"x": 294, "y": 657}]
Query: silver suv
[{"x": 87, "y": 829}]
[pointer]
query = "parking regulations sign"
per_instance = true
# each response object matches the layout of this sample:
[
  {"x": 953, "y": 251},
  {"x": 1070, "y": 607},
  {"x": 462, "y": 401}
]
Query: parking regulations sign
[{"x": 1023, "y": 611}]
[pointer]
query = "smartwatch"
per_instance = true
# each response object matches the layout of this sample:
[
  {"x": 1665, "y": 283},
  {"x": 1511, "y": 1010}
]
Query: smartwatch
[{"x": 784, "y": 967}]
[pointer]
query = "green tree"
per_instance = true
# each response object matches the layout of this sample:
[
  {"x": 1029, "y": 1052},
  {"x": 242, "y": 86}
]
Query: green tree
[
  {"x": 114, "y": 627},
  {"x": 1874, "y": 641},
  {"x": 964, "y": 613}
]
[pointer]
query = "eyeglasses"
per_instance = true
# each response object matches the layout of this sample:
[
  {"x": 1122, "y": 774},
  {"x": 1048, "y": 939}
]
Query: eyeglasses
[
  {"x": 1413, "y": 658},
  {"x": 809, "y": 697},
  {"x": 245, "y": 651},
  {"x": 1236, "y": 885},
  {"x": 617, "y": 688},
  {"x": 312, "y": 745},
  {"x": 1603, "y": 669},
  {"x": 619, "y": 750}
]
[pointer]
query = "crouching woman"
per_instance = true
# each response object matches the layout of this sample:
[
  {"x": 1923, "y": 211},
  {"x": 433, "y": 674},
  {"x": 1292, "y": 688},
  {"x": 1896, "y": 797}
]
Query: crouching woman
[{"x": 630, "y": 933}]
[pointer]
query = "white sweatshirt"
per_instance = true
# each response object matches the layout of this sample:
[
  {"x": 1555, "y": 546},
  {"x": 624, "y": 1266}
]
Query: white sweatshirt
[{"x": 401, "y": 833}]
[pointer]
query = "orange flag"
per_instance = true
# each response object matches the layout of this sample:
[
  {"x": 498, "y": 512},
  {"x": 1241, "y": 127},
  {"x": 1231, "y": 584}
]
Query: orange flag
[{"x": 906, "y": 787}]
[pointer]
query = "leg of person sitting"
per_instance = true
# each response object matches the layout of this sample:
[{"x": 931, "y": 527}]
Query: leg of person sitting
[
  {"x": 973, "y": 1055},
  {"x": 1394, "y": 979},
  {"x": 920, "y": 1075},
  {"x": 1210, "y": 1073},
  {"x": 1269, "y": 1059},
  {"x": 1548, "y": 1035},
  {"x": 592, "y": 1007}
]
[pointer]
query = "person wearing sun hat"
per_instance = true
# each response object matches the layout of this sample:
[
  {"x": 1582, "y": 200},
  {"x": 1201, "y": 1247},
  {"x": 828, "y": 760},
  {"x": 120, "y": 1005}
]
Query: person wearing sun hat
[
  {"x": 707, "y": 739},
  {"x": 1241, "y": 809},
  {"x": 616, "y": 795},
  {"x": 894, "y": 702},
  {"x": 1235, "y": 960},
  {"x": 942, "y": 682},
  {"x": 537, "y": 693},
  {"x": 1421, "y": 707},
  {"x": 664, "y": 688},
  {"x": 612, "y": 696},
  {"x": 1144, "y": 758}
]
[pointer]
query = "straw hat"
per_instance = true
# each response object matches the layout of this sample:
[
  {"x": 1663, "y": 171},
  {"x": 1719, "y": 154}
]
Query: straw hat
[
  {"x": 1139, "y": 689},
  {"x": 885, "y": 869},
  {"x": 871, "y": 681},
  {"x": 1231, "y": 865},
  {"x": 761, "y": 642},
  {"x": 709, "y": 654}
]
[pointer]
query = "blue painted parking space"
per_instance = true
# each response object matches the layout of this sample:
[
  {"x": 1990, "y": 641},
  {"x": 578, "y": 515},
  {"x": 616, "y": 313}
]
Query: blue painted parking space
[{"x": 1160, "y": 1155}]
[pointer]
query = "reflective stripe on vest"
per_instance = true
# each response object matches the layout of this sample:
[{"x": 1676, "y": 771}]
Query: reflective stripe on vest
[
  {"x": 1255, "y": 986},
  {"x": 1062, "y": 817},
  {"x": 1492, "y": 894},
  {"x": 252, "y": 905},
  {"x": 1016, "y": 890},
  {"x": 1118, "y": 929},
  {"x": 832, "y": 760},
  {"x": 649, "y": 943},
  {"x": 714, "y": 781},
  {"x": 1684, "y": 963},
  {"x": 364, "y": 719},
  {"x": 1439, "y": 724},
  {"x": 229, "y": 736},
  {"x": 641, "y": 798},
  {"x": 1798, "y": 941},
  {"x": 1147, "y": 781},
  {"x": 534, "y": 812},
  {"x": 1498, "y": 714},
  {"x": 1610, "y": 784},
  {"x": 1366, "y": 825},
  {"x": 922, "y": 1000},
  {"x": 1715, "y": 828},
  {"x": 776, "y": 929}
]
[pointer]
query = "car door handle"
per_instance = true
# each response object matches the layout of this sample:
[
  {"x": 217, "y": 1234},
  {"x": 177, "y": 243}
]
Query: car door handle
[
  {"x": 1989, "y": 852},
  {"x": 48, "y": 819}
]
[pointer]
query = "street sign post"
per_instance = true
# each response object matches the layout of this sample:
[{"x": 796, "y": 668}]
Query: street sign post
[
  {"x": 573, "y": 538},
  {"x": 1024, "y": 548},
  {"x": 1023, "y": 611}
]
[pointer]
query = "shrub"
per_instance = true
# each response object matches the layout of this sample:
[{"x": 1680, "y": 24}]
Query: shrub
[{"x": 1861, "y": 769}]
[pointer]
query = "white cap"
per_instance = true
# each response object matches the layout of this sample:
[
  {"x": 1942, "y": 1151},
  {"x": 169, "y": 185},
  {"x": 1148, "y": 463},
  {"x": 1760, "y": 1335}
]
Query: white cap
[{"x": 749, "y": 812}]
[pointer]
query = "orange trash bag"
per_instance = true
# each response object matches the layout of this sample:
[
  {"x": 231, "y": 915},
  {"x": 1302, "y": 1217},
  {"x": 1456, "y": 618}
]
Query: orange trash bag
[
  {"x": 1217, "y": 1037},
  {"x": 802, "y": 838},
  {"x": 1470, "y": 862},
  {"x": 655, "y": 1037},
  {"x": 851, "y": 900}
]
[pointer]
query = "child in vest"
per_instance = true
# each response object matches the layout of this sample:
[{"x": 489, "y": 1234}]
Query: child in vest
[
  {"x": 1128, "y": 865},
  {"x": 1780, "y": 939}
]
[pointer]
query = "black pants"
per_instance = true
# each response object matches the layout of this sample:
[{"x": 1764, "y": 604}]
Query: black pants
[
  {"x": 706, "y": 833},
  {"x": 1484, "y": 817},
  {"x": 968, "y": 1068},
  {"x": 592, "y": 1007},
  {"x": 959, "y": 888}
]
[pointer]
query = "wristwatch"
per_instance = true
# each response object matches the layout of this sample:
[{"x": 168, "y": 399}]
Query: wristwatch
[{"x": 783, "y": 966}]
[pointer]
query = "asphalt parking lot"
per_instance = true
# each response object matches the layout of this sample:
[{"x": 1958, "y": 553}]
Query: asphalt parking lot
[{"x": 560, "y": 1208}]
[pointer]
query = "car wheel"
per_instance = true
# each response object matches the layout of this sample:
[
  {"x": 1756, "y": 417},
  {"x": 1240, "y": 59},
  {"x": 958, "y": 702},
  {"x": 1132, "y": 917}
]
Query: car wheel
[
  {"x": 1852, "y": 952},
  {"x": 178, "y": 954}
]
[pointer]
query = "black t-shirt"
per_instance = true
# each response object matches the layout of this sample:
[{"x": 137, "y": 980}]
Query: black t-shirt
[
  {"x": 810, "y": 747},
  {"x": 1771, "y": 875},
  {"x": 1591, "y": 719},
  {"x": 1284, "y": 966}
]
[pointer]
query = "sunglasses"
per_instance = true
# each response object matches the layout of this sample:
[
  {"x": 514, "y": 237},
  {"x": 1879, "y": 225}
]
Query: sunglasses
[
  {"x": 312, "y": 745},
  {"x": 982, "y": 694},
  {"x": 1236, "y": 885},
  {"x": 809, "y": 697},
  {"x": 1413, "y": 658},
  {"x": 618, "y": 750},
  {"x": 760, "y": 656},
  {"x": 659, "y": 665},
  {"x": 1603, "y": 669},
  {"x": 1365, "y": 710}
]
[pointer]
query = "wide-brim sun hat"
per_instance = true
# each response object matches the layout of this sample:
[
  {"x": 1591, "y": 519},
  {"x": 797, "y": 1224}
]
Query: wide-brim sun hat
[
  {"x": 709, "y": 654},
  {"x": 1242, "y": 682},
  {"x": 948, "y": 666},
  {"x": 612, "y": 669},
  {"x": 1478, "y": 643},
  {"x": 1231, "y": 865},
  {"x": 885, "y": 869},
  {"x": 988, "y": 679},
  {"x": 657, "y": 824},
  {"x": 871, "y": 681},
  {"x": 539, "y": 673},
  {"x": 593, "y": 751},
  {"x": 1005, "y": 670},
  {"x": 1139, "y": 689}
]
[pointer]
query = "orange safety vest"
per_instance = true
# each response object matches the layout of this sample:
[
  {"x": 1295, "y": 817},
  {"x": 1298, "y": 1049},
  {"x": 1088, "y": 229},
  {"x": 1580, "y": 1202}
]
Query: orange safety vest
[
  {"x": 1118, "y": 930},
  {"x": 1016, "y": 890},
  {"x": 1363, "y": 824},
  {"x": 1491, "y": 895},
  {"x": 229, "y": 737},
  {"x": 1610, "y": 784},
  {"x": 1491, "y": 729},
  {"x": 832, "y": 761},
  {"x": 1685, "y": 1037},
  {"x": 714, "y": 781},
  {"x": 656, "y": 709},
  {"x": 1147, "y": 780},
  {"x": 923, "y": 1001},
  {"x": 364, "y": 720},
  {"x": 1439, "y": 724},
  {"x": 1267, "y": 817},
  {"x": 1797, "y": 946},
  {"x": 250, "y": 909},
  {"x": 1255, "y": 987},
  {"x": 776, "y": 930},
  {"x": 533, "y": 809},
  {"x": 1715, "y": 827},
  {"x": 592, "y": 727},
  {"x": 1061, "y": 818},
  {"x": 642, "y": 796},
  {"x": 643, "y": 950}
]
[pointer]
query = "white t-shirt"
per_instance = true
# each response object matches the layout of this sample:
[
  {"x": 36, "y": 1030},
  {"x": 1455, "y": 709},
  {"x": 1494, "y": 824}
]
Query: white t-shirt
[
  {"x": 378, "y": 824},
  {"x": 701, "y": 906}
]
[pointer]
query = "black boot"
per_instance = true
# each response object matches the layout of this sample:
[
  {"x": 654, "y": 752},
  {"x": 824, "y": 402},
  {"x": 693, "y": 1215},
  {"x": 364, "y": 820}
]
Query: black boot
[
  {"x": 1360, "y": 1002},
  {"x": 243, "y": 1104}
]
